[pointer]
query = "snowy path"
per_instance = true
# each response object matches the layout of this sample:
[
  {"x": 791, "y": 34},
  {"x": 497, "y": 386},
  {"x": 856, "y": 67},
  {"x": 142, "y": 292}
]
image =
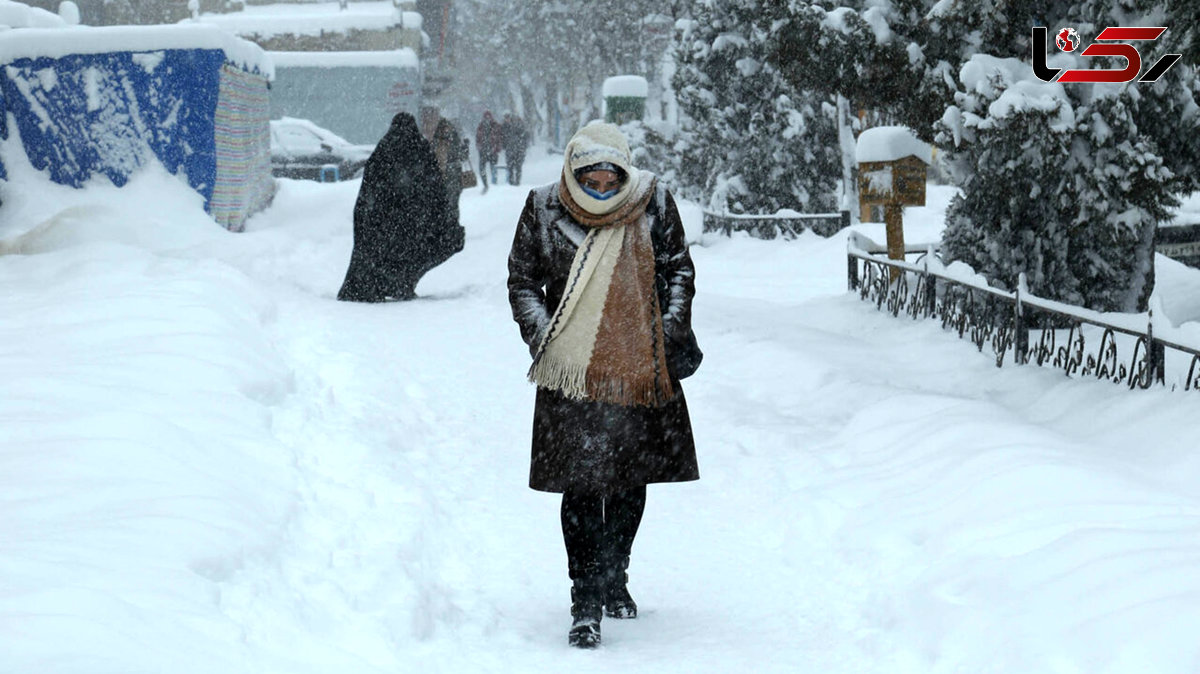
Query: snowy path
[{"x": 213, "y": 466}]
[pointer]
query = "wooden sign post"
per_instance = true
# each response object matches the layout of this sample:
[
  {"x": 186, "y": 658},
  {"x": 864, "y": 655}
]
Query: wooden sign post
[{"x": 891, "y": 173}]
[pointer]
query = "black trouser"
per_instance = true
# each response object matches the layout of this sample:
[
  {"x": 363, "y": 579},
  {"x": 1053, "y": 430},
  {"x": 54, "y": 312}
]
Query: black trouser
[
  {"x": 599, "y": 530},
  {"x": 483, "y": 169},
  {"x": 514, "y": 169}
]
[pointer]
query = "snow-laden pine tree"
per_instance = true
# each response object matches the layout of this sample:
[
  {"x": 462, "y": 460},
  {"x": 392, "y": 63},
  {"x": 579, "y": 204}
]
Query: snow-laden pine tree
[
  {"x": 875, "y": 54},
  {"x": 1064, "y": 182},
  {"x": 1068, "y": 182},
  {"x": 1063, "y": 190},
  {"x": 748, "y": 142}
]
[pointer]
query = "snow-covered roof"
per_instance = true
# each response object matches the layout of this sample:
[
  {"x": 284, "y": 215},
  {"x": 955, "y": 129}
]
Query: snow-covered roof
[
  {"x": 312, "y": 18},
  {"x": 889, "y": 143},
  {"x": 20, "y": 15},
  {"x": 392, "y": 58},
  {"x": 626, "y": 85},
  {"x": 60, "y": 42}
]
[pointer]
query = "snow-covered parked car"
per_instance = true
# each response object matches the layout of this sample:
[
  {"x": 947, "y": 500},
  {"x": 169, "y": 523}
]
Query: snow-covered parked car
[{"x": 303, "y": 150}]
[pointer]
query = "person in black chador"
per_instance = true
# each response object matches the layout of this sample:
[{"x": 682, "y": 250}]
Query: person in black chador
[{"x": 401, "y": 223}]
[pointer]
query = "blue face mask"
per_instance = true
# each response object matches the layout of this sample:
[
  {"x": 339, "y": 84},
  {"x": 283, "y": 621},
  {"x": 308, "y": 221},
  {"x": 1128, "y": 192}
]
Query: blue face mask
[{"x": 602, "y": 196}]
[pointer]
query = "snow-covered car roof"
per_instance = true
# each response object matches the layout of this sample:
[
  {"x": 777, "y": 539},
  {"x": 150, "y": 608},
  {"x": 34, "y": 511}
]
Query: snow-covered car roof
[{"x": 325, "y": 134}]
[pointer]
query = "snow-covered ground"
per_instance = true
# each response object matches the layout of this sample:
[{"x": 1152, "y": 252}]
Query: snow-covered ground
[{"x": 207, "y": 464}]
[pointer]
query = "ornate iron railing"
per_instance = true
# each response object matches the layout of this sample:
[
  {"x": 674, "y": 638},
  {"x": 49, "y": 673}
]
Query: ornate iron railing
[
  {"x": 1020, "y": 327},
  {"x": 773, "y": 226}
]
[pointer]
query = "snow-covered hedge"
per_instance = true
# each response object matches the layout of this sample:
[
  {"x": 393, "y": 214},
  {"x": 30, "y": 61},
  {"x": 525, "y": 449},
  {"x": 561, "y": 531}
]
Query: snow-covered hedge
[{"x": 105, "y": 101}]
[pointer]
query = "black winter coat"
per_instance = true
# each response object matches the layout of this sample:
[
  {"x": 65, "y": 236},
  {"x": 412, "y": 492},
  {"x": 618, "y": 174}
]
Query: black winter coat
[
  {"x": 591, "y": 446},
  {"x": 515, "y": 140},
  {"x": 402, "y": 227}
]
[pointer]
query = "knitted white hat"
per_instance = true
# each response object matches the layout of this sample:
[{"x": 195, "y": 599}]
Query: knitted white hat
[{"x": 599, "y": 142}]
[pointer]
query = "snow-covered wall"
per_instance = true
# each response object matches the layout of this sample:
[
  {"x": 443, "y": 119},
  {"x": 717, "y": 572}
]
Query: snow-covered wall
[
  {"x": 104, "y": 101},
  {"x": 312, "y": 18},
  {"x": 353, "y": 94}
]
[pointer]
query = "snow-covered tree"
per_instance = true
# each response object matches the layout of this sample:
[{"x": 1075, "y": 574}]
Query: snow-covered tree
[
  {"x": 851, "y": 49},
  {"x": 749, "y": 142},
  {"x": 1065, "y": 182},
  {"x": 1068, "y": 182},
  {"x": 1186, "y": 15},
  {"x": 555, "y": 50},
  {"x": 1064, "y": 190}
]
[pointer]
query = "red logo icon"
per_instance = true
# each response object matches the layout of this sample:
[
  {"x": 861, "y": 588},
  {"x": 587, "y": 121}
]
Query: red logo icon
[{"x": 1068, "y": 40}]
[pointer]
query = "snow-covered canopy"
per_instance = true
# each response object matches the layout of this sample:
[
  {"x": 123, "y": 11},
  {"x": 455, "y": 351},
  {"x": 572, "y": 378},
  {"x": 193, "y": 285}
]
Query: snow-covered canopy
[
  {"x": 312, "y": 18},
  {"x": 626, "y": 85},
  {"x": 393, "y": 58},
  {"x": 1014, "y": 88},
  {"x": 1022, "y": 91},
  {"x": 20, "y": 15},
  {"x": 838, "y": 19},
  {"x": 60, "y": 42},
  {"x": 889, "y": 143}
]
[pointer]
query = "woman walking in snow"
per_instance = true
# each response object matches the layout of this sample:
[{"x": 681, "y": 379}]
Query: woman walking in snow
[
  {"x": 601, "y": 284},
  {"x": 402, "y": 227}
]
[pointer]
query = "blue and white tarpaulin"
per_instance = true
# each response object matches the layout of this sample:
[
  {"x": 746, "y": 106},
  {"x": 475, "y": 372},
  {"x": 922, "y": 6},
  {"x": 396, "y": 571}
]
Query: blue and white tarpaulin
[{"x": 108, "y": 113}]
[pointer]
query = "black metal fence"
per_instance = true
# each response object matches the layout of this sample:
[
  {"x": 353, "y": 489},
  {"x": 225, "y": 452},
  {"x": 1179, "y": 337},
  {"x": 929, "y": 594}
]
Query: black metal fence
[
  {"x": 1179, "y": 242},
  {"x": 1020, "y": 327},
  {"x": 774, "y": 226}
]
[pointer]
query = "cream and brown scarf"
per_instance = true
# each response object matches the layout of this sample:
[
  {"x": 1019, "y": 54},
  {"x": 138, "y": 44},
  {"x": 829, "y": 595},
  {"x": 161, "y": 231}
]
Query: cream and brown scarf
[{"x": 605, "y": 340}]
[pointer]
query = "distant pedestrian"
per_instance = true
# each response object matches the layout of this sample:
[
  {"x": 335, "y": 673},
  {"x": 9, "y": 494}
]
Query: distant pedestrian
[
  {"x": 487, "y": 142},
  {"x": 428, "y": 121},
  {"x": 601, "y": 284},
  {"x": 401, "y": 223},
  {"x": 447, "y": 148},
  {"x": 515, "y": 139}
]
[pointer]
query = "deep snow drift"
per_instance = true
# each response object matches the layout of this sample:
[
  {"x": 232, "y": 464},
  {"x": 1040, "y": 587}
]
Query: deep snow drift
[{"x": 209, "y": 465}]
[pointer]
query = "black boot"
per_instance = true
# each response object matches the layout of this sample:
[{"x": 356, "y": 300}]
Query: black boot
[
  {"x": 587, "y": 595},
  {"x": 617, "y": 602}
]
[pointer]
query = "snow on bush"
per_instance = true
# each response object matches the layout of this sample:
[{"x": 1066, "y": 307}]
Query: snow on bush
[{"x": 1057, "y": 183}]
